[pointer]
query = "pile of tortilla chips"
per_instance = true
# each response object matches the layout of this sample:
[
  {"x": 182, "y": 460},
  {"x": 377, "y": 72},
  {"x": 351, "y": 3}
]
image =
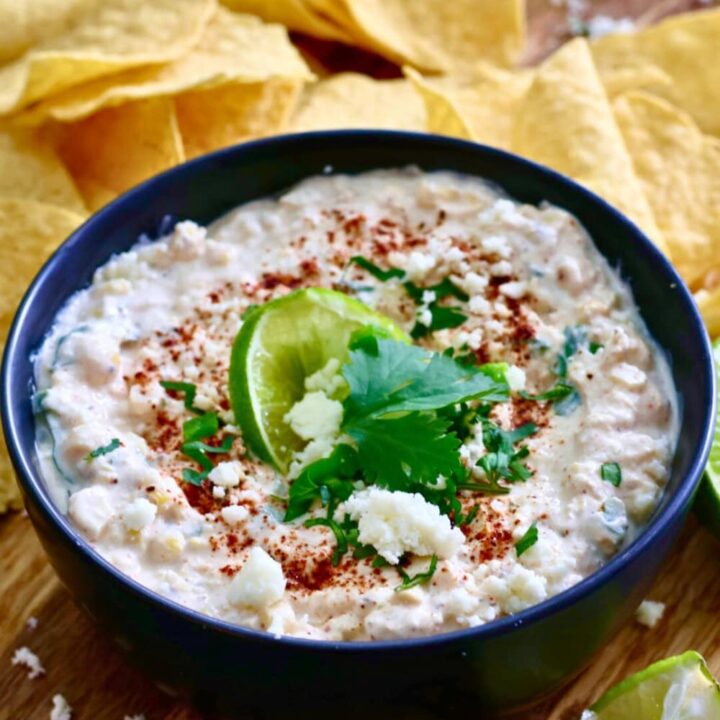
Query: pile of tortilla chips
[{"x": 98, "y": 95}]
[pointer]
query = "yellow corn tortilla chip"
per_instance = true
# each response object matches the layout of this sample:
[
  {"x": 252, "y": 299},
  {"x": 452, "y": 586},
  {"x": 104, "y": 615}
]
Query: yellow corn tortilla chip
[
  {"x": 212, "y": 119},
  {"x": 294, "y": 14},
  {"x": 709, "y": 303},
  {"x": 24, "y": 23},
  {"x": 565, "y": 121},
  {"x": 29, "y": 232},
  {"x": 233, "y": 47},
  {"x": 675, "y": 60},
  {"x": 349, "y": 100},
  {"x": 31, "y": 170},
  {"x": 117, "y": 148},
  {"x": 480, "y": 107},
  {"x": 115, "y": 36},
  {"x": 679, "y": 168},
  {"x": 440, "y": 35}
]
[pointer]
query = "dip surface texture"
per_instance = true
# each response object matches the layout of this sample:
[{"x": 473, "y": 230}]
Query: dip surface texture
[{"x": 110, "y": 434}]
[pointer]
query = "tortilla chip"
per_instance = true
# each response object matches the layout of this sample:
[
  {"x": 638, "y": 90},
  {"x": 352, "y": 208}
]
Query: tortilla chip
[
  {"x": 29, "y": 233},
  {"x": 679, "y": 168},
  {"x": 565, "y": 121},
  {"x": 117, "y": 35},
  {"x": 31, "y": 170},
  {"x": 349, "y": 100},
  {"x": 480, "y": 107},
  {"x": 117, "y": 148},
  {"x": 440, "y": 35},
  {"x": 24, "y": 23},
  {"x": 294, "y": 14},
  {"x": 233, "y": 48},
  {"x": 229, "y": 114},
  {"x": 709, "y": 303},
  {"x": 674, "y": 60}
]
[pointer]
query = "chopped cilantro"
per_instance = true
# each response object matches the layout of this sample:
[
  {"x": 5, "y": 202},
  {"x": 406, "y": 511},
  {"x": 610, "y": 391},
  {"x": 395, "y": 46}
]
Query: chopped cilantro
[
  {"x": 527, "y": 540},
  {"x": 593, "y": 347},
  {"x": 198, "y": 451},
  {"x": 563, "y": 395},
  {"x": 200, "y": 427},
  {"x": 193, "y": 476},
  {"x": 611, "y": 472},
  {"x": 377, "y": 272},
  {"x": 419, "y": 579},
  {"x": 187, "y": 389},
  {"x": 342, "y": 544},
  {"x": 114, "y": 444},
  {"x": 502, "y": 461},
  {"x": 461, "y": 519}
]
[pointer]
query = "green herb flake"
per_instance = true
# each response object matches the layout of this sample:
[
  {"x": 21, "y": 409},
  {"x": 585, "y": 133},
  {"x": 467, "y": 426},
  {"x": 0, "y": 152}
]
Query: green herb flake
[
  {"x": 594, "y": 347},
  {"x": 188, "y": 390},
  {"x": 200, "y": 427},
  {"x": 377, "y": 272},
  {"x": 612, "y": 473},
  {"x": 527, "y": 540},
  {"x": 420, "y": 578},
  {"x": 114, "y": 444}
]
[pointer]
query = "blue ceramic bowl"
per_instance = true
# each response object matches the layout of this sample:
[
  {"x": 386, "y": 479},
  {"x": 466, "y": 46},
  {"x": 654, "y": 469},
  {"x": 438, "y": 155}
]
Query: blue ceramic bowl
[{"x": 224, "y": 668}]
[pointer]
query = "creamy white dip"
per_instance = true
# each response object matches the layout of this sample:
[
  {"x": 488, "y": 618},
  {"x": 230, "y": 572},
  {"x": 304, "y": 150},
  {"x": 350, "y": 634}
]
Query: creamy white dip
[{"x": 170, "y": 310}]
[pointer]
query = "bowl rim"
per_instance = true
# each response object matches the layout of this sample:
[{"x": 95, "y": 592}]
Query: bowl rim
[{"x": 21, "y": 449}]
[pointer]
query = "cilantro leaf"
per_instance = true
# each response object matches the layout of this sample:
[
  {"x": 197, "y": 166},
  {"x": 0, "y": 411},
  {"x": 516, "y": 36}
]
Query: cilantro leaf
[
  {"x": 611, "y": 472},
  {"x": 114, "y": 444},
  {"x": 563, "y": 395},
  {"x": 333, "y": 472},
  {"x": 419, "y": 579},
  {"x": 187, "y": 389},
  {"x": 441, "y": 317},
  {"x": 400, "y": 452},
  {"x": 527, "y": 540},
  {"x": 403, "y": 378},
  {"x": 377, "y": 272}
]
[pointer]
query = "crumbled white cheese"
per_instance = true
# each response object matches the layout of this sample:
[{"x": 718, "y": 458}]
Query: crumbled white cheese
[
  {"x": 91, "y": 509},
  {"x": 327, "y": 379},
  {"x": 479, "y": 305},
  {"x": 139, "y": 514},
  {"x": 496, "y": 245},
  {"x": 515, "y": 289},
  {"x": 31, "y": 622},
  {"x": 61, "y": 709},
  {"x": 234, "y": 514},
  {"x": 515, "y": 377},
  {"x": 424, "y": 316},
  {"x": 649, "y": 613},
  {"x": 399, "y": 522},
  {"x": 28, "y": 659},
  {"x": 418, "y": 264},
  {"x": 218, "y": 492},
  {"x": 226, "y": 474},
  {"x": 260, "y": 581},
  {"x": 315, "y": 416}
]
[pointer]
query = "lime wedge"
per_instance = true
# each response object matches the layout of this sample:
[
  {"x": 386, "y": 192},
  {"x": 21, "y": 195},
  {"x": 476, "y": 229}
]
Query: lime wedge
[
  {"x": 278, "y": 346},
  {"x": 707, "y": 503},
  {"x": 677, "y": 688}
]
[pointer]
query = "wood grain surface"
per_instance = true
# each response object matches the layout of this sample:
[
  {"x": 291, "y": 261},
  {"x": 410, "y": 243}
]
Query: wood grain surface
[{"x": 83, "y": 666}]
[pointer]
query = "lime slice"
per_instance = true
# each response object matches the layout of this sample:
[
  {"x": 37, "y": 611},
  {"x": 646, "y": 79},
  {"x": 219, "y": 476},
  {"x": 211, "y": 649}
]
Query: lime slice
[
  {"x": 278, "y": 346},
  {"x": 707, "y": 503},
  {"x": 677, "y": 688}
]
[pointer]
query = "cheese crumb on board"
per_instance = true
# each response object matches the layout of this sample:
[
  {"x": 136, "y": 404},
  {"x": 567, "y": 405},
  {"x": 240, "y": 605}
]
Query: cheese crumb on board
[
  {"x": 61, "y": 709},
  {"x": 28, "y": 659},
  {"x": 650, "y": 613}
]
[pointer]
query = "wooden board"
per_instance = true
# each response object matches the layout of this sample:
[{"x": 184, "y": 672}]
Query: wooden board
[{"x": 83, "y": 666}]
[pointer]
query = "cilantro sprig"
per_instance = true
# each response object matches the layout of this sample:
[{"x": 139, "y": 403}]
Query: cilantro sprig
[
  {"x": 400, "y": 420},
  {"x": 410, "y": 581},
  {"x": 529, "y": 538}
]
